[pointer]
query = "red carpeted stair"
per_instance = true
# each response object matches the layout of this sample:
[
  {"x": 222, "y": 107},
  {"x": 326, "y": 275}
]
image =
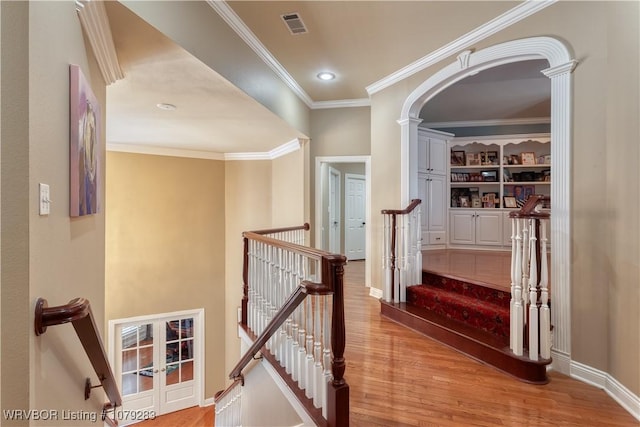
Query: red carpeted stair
[
  {"x": 469, "y": 317},
  {"x": 480, "y": 307}
]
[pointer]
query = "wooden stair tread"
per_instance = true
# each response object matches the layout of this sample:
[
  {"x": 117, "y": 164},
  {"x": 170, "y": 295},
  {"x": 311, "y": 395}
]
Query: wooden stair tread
[{"x": 483, "y": 347}]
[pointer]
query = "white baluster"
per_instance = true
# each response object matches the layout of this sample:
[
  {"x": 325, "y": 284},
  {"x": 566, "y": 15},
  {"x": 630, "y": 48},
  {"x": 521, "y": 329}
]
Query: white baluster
[
  {"x": 533, "y": 294},
  {"x": 309, "y": 349},
  {"x": 326, "y": 351},
  {"x": 545, "y": 315},
  {"x": 518, "y": 324},
  {"x": 386, "y": 257},
  {"x": 317, "y": 351},
  {"x": 418, "y": 227},
  {"x": 512, "y": 304}
]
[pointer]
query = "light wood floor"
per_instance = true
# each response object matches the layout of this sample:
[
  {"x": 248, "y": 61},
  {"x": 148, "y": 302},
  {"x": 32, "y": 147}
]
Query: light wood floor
[{"x": 398, "y": 377}]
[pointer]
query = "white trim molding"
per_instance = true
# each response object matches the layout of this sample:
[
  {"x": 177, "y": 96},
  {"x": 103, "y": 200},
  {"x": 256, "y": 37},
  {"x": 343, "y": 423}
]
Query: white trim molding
[
  {"x": 343, "y": 103},
  {"x": 481, "y": 123},
  {"x": 497, "y": 24},
  {"x": 561, "y": 65},
  {"x": 95, "y": 22},
  {"x": 279, "y": 151},
  {"x": 376, "y": 293},
  {"x": 163, "y": 151},
  {"x": 610, "y": 385},
  {"x": 318, "y": 204}
]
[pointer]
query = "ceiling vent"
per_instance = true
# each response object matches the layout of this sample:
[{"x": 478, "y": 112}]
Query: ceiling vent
[{"x": 294, "y": 23}]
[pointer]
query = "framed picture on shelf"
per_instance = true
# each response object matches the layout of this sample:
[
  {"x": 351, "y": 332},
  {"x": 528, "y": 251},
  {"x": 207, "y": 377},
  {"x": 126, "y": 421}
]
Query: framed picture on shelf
[
  {"x": 547, "y": 159},
  {"x": 490, "y": 176},
  {"x": 510, "y": 202},
  {"x": 514, "y": 159},
  {"x": 492, "y": 157},
  {"x": 458, "y": 158},
  {"x": 473, "y": 159},
  {"x": 528, "y": 158},
  {"x": 476, "y": 202},
  {"x": 464, "y": 202}
]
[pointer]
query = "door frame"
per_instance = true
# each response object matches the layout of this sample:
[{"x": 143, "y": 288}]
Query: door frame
[
  {"x": 347, "y": 177},
  {"x": 199, "y": 362},
  {"x": 335, "y": 205},
  {"x": 320, "y": 160}
]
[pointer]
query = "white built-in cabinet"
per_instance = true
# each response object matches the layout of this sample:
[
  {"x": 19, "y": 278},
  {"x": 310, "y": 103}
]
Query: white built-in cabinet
[
  {"x": 476, "y": 227},
  {"x": 496, "y": 167},
  {"x": 433, "y": 159}
]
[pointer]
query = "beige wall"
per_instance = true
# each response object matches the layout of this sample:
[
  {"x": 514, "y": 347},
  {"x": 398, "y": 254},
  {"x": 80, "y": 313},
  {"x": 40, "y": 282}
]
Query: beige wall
[
  {"x": 605, "y": 303},
  {"x": 248, "y": 207},
  {"x": 337, "y": 132},
  {"x": 54, "y": 256},
  {"x": 288, "y": 191},
  {"x": 165, "y": 244}
]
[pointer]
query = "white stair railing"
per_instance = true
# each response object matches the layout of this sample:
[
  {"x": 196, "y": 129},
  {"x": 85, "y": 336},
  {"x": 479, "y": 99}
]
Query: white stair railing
[
  {"x": 530, "y": 320},
  {"x": 293, "y": 304},
  {"x": 229, "y": 406},
  {"x": 402, "y": 251}
]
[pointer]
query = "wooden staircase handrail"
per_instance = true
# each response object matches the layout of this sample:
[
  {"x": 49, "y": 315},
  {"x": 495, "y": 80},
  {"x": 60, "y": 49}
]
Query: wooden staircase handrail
[
  {"x": 530, "y": 208},
  {"x": 331, "y": 273},
  {"x": 414, "y": 204},
  {"x": 304, "y": 226},
  {"x": 294, "y": 300},
  {"x": 78, "y": 313}
]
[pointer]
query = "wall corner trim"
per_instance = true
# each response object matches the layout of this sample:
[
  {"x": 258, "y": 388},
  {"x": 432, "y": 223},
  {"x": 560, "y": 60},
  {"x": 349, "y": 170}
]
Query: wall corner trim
[{"x": 280, "y": 151}]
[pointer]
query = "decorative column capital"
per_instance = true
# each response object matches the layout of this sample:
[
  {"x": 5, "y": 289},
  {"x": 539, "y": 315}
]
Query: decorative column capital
[{"x": 561, "y": 69}]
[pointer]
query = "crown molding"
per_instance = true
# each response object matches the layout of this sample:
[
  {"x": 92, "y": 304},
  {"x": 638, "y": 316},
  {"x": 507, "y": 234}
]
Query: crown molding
[
  {"x": 237, "y": 25},
  {"x": 164, "y": 151},
  {"x": 280, "y": 151},
  {"x": 497, "y": 24},
  {"x": 342, "y": 103},
  {"x": 94, "y": 20},
  {"x": 481, "y": 123}
]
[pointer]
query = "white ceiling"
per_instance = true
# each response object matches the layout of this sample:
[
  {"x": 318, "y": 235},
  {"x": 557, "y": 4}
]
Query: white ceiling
[{"x": 361, "y": 41}]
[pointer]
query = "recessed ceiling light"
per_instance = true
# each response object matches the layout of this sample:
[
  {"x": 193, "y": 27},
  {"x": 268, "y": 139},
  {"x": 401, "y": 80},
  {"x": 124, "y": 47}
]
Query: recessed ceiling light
[
  {"x": 325, "y": 75},
  {"x": 167, "y": 107}
]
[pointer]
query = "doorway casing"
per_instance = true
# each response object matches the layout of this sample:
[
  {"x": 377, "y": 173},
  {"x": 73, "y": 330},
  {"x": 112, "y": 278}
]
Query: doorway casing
[
  {"x": 320, "y": 160},
  {"x": 561, "y": 66}
]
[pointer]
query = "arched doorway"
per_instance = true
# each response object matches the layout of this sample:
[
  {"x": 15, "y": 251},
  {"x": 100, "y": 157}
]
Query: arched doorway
[{"x": 561, "y": 66}]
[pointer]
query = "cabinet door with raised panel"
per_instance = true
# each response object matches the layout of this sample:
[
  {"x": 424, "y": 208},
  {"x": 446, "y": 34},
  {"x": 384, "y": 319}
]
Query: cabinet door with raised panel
[
  {"x": 462, "y": 227},
  {"x": 423, "y": 154},
  {"x": 436, "y": 209},
  {"x": 437, "y": 156},
  {"x": 489, "y": 228},
  {"x": 423, "y": 194}
]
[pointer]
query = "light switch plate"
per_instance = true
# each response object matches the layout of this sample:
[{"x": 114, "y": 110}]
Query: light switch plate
[{"x": 45, "y": 199}]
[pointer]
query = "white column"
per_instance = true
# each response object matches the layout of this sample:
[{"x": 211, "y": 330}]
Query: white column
[
  {"x": 545, "y": 320},
  {"x": 561, "y": 122},
  {"x": 409, "y": 159}
]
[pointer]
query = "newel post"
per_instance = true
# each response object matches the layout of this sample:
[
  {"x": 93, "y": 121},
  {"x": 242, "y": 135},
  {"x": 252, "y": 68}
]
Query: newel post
[
  {"x": 245, "y": 281},
  {"x": 338, "y": 390}
]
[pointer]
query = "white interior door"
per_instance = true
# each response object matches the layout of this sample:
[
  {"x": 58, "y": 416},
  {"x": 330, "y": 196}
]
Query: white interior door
[
  {"x": 157, "y": 362},
  {"x": 334, "y": 210},
  {"x": 354, "y": 212}
]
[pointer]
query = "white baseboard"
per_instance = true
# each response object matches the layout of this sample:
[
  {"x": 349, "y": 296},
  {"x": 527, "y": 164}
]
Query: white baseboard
[
  {"x": 375, "y": 292},
  {"x": 610, "y": 385},
  {"x": 561, "y": 362},
  {"x": 208, "y": 402}
]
